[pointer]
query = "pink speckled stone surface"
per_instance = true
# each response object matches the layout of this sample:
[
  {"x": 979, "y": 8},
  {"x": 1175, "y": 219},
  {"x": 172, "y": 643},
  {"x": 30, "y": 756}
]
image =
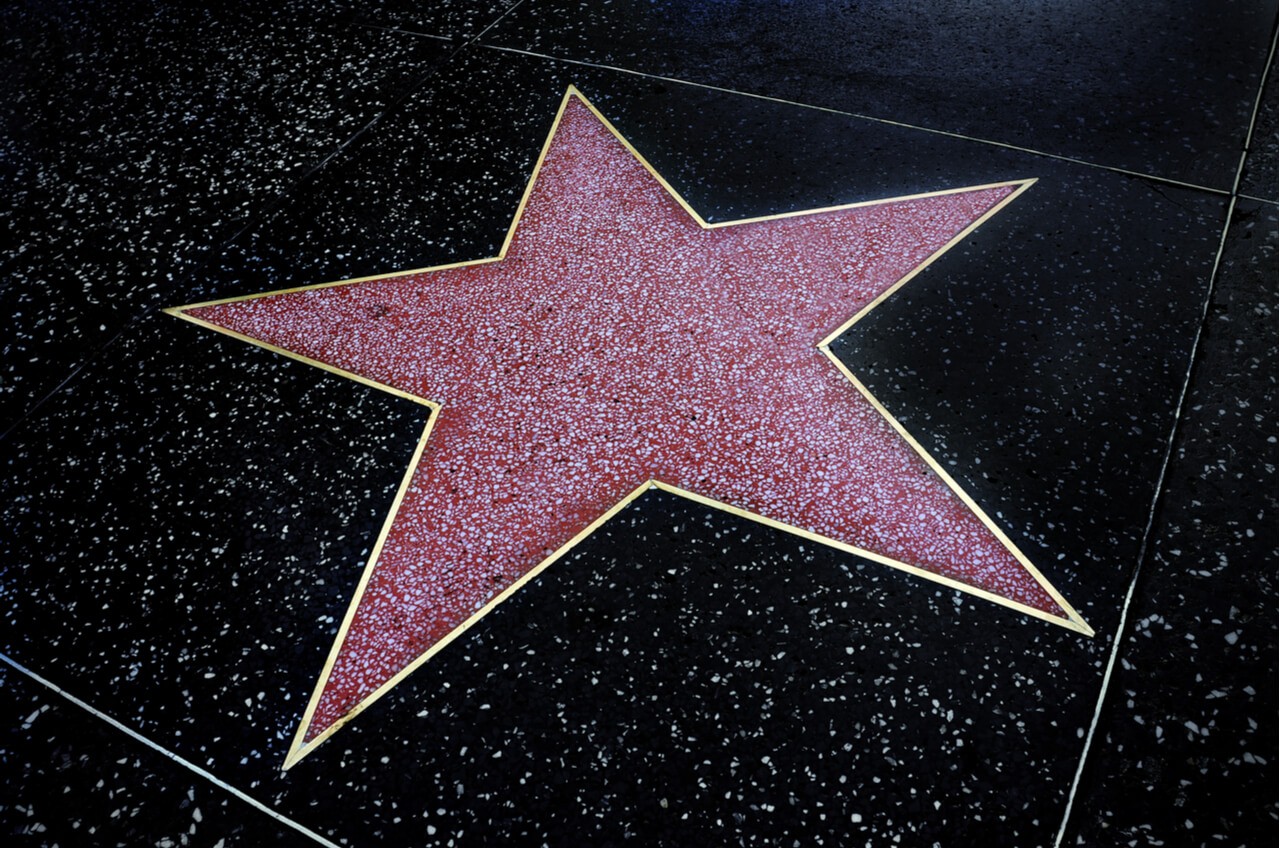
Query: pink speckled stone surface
[{"x": 617, "y": 342}]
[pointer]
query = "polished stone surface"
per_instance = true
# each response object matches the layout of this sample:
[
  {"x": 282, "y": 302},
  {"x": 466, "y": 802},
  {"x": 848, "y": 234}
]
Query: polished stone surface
[
  {"x": 187, "y": 517},
  {"x": 68, "y": 781},
  {"x": 622, "y": 344},
  {"x": 1259, "y": 177},
  {"x": 138, "y": 140},
  {"x": 1147, "y": 86},
  {"x": 1190, "y": 714}
]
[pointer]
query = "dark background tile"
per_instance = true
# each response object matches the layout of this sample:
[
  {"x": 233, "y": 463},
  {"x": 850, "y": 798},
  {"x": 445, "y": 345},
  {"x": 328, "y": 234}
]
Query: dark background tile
[
  {"x": 195, "y": 451},
  {"x": 1187, "y": 742},
  {"x": 1156, "y": 87},
  {"x": 1259, "y": 178},
  {"x": 137, "y": 139},
  {"x": 186, "y": 520}
]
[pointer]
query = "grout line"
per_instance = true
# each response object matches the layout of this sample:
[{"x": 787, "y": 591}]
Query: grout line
[
  {"x": 182, "y": 761},
  {"x": 402, "y": 31},
  {"x": 1257, "y": 106},
  {"x": 1256, "y": 199},
  {"x": 830, "y": 110},
  {"x": 1144, "y": 548},
  {"x": 496, "y": 21},
  {"x": 1157, "y": 499},
  {"x": 436, "y": 37}
]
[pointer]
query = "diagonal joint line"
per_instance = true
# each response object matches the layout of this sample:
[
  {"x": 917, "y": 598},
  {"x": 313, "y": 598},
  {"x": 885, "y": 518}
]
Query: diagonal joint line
[
  {"x": 168, "y": 754},
  {"x": 1175, "y": 433}
]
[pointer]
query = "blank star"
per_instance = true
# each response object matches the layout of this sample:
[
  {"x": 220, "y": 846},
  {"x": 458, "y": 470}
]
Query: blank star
[{"x": 620, "y": 343}]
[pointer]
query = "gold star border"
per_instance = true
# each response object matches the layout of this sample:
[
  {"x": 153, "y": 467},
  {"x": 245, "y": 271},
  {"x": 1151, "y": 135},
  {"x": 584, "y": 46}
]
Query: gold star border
[{"x": 299, "y": 749}]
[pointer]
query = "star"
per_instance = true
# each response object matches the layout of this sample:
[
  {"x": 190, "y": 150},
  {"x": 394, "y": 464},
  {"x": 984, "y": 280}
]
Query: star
[{"x": 620, "y": 343}]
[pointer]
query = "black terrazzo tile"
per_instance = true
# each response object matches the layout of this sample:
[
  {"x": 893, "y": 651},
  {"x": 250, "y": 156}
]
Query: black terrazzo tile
[
  {"x": 458, "y": 20},
  {"x": 195, "y": 511},
  {"x": 135, "y": 140},
  {"x": 1157, "y": 87},
  {"x": 1040, "y": 361},
  {"x": 185, "y": 105},
  {"x": 171, "y": 536},
  {"x": 1259, "y": 177},
  {"x": 71, "y": 779},
  {"x": 1186, "y": 751},
  {"x": 686, "y": 678}
]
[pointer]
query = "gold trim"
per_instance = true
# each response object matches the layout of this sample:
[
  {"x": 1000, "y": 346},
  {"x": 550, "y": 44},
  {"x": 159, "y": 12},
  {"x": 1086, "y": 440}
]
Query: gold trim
[
  {"x": 179, "y": 312},
  {"x": 1022, "y": 186},
  {"x": 1076, "y": 623},
  {"x": 524, "y": 199},
  {"x": 299, "y": 749}
]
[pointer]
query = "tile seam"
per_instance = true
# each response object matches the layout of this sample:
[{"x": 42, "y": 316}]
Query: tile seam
[
  {"x": 862, "y": 117},
  {"x": 1170, "y": 449},
  {"x": 495, "y": 22},
  {"x": 174, "y": 757}
]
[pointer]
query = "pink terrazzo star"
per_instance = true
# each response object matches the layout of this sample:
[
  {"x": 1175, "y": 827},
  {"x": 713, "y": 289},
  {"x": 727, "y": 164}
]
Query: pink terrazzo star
[{"x": 620, "y": 342}]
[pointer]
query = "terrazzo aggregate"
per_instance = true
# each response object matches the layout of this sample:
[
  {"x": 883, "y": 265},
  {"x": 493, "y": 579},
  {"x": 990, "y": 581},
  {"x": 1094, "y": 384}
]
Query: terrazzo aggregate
[
  {"x": 138, "y": 139},
  {"x": 78, "y": 781},
  {"x": 1206, "y": 609},
  {"x": 187, "y": 517},
  {"x": 1259, "y": 177},
  {"x": 620, "y": 342}
]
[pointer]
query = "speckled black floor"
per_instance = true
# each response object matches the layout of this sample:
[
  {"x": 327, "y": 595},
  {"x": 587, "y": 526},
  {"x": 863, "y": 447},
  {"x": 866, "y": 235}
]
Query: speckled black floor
[{"x": 185, "y": 516}]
